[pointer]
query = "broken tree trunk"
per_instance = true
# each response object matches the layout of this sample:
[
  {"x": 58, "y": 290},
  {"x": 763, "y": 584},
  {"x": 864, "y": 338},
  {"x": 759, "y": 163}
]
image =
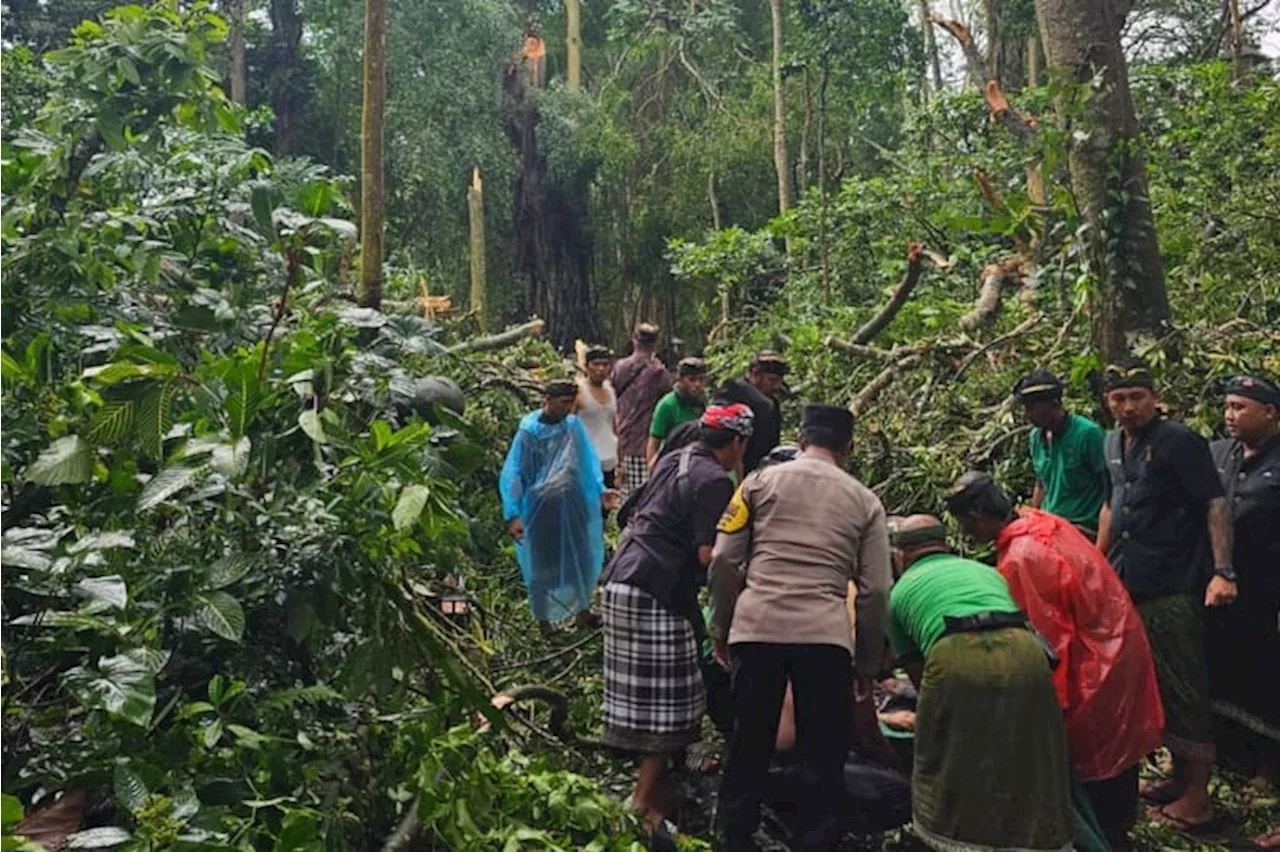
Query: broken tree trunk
[
  {"x": 781, "y": 160},
  {"x": 573, "y": 44},
  {"x": 1108, "y": 173},
  {"x": 511, "y": 336},
  {"x": 475, "y": 210},
  {"x": 995, "y": 278}
]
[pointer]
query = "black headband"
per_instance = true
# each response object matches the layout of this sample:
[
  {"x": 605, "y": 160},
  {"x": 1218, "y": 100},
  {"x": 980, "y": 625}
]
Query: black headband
[
  {"x": 1119, "y": 376},
  {"x": 924, "y": 535},
  {"x": 1256, "y": 388},
  {"x": 967, "y": 492}
]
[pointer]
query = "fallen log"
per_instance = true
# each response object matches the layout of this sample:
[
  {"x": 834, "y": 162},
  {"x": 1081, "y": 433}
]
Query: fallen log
[
  {"x": 511, "y": 336},
  {"x": 873, "y": 388},
  {"x": 995, "y": 277},
  {"x": 915, "y": 267}
]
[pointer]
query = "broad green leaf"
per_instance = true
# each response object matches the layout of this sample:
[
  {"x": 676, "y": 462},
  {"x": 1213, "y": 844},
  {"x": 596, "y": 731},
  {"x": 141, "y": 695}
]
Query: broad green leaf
[
  {"x": 10, "y": 370},
  {"x": 211, "y": 733},
  {"x": 413, "y": 499},
  {"x": 261, "y": 202},
  {"x": 309, "y": 420},
  {"x": 74, "y": 620},
  {"x": 343, "y": 228},
  {"x": 153, "y": 418},
  {"x": 111, "y": 126},
  {"x": 67, "y": 460},
  {"x": 103, "y": 541},
  {"x": 128, "y": 787},
  {"x": 123, "y": 685},
  {"x": 10, "y": 810},
  {"x": 109, "y": 590},
  {"x": 231, "y": 459},
  {"x": 16, "y": 556},
  {"x": 121, "y": 371},
  {"x": 165, "y": 484},
  {"x": 98, "y": 838},
  {"x": 221, "y": 614},
  {"x": 227, "y": 570},
  {"x": 112, "y": 422}
]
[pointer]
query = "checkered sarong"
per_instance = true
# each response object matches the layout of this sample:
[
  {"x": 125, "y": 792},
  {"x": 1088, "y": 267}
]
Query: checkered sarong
[
  {"x": 653, "y": 692},
  {"x": 637, "y": 473}
]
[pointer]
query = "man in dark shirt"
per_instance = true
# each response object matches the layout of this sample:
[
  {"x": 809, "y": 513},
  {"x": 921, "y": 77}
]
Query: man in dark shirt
[
  {"x": 1247, "y": 633},
  {"x": 653, "y": 689},
  {"x": 760, "y": 390},
  {"x": 639, "y": 381},
  {"x": 1163, "y": 527}
]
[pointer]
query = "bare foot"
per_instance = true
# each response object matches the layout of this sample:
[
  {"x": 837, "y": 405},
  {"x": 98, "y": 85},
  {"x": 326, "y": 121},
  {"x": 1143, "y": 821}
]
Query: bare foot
[
  {"x": 1270, "y": 840},
  {"x": 1184, "y": 814},
  {"x": 589, "y": 619}
]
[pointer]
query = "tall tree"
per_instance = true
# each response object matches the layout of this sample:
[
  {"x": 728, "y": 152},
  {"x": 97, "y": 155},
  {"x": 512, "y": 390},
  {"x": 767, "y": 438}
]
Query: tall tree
[
  {"x": 286, "y": 74},
  {"x": 475, "y": 211},
  {"x": 1008, "y": 24},
  {"x": 235, "y": 11},
  {"x": 1108, "y": 172},
  {"x": 375, "y": 102},
  {"x": 573, "y": 44},
  {"x": 781, "y": 160}
]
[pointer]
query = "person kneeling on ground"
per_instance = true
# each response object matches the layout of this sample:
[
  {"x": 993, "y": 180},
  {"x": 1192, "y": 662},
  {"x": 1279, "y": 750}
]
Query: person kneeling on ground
[
  {"x": 653, "y": 691},
  {"x": 1105, "y": 680},
  {"x": 991, "y": 767}
]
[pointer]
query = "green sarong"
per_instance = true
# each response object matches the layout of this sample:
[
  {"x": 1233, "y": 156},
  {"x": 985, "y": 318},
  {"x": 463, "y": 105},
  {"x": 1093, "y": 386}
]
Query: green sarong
[
  {"x": 1175, "y": 630},
  {"x": 991, "y": 768}
]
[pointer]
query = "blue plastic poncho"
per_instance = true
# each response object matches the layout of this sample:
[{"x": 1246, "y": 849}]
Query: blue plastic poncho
[{"x": 552, "y": 482}]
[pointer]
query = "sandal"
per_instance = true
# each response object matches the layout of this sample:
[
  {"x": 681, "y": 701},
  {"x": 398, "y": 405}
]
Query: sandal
[
  {"x": 1161, "y": 815},
  {"x": 662, "y": 838}
]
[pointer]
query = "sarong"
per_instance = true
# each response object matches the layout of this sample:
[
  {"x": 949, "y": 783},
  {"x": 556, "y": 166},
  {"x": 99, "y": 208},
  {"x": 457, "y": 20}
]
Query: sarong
[
  {"x": 653, "y": 692},
  {"x": 1175, "y": 630},
  {"x": 637, "y": 473},
  {"x": 991, "y": 767}
]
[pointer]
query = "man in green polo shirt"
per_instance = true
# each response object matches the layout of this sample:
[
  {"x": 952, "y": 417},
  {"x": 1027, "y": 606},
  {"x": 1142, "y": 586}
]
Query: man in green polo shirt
[
  {"x": 1066, "y": 451},
  {"x": 986, "y": 700},
  {"x": 684, "y": 403}
]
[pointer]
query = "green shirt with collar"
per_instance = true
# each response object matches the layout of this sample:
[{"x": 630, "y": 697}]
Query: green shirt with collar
[
  {"x": 935, "y": 587},
  {"x": 1072, "y": 469}
]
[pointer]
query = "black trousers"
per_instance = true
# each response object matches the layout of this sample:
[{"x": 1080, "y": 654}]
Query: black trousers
[
  {"x": 1115, "y": 804},
  {"x": 822, "y": 688}
]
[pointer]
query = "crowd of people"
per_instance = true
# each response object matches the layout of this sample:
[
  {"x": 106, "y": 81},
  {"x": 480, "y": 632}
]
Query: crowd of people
[{"x": 1129, "y": 607}]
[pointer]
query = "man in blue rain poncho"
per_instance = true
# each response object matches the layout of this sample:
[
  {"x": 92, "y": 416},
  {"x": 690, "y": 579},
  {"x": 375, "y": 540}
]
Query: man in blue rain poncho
[{"x": 552, "y": 491}]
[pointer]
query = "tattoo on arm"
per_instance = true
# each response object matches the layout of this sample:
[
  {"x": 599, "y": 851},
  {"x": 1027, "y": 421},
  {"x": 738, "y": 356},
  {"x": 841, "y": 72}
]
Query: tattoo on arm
[{"x": 1220, "y": 531}]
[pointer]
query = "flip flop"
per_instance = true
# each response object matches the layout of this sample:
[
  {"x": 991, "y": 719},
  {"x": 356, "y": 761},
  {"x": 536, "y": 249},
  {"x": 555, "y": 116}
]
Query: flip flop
[{"x": 1161, "y": 815}]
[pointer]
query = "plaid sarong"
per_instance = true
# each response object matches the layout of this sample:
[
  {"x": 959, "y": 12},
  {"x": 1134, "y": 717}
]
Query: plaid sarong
[
  {"x": 653, "y": 692},
  {"x": 637, "y": 473}
]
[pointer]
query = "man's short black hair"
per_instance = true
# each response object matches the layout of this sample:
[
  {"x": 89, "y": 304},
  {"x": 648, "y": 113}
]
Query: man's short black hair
[
  {"x": 827, "y": 426},
  {"x": 976, "y": 491}
]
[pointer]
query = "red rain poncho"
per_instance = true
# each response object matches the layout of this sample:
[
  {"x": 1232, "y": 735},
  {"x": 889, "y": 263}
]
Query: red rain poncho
[{"x": 1106, "y": 682}]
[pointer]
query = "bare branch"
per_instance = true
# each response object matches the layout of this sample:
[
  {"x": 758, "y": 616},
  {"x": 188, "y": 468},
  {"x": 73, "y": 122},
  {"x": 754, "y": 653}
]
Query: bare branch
[
  {"x": 915, "y": 266},
  {"x": 532, "y": 328}
]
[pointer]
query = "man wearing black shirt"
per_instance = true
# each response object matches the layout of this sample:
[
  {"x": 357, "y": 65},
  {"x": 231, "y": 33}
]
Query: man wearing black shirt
[
  {"x": 1247, "y": 634},
  {"x": 760, "y": 390},
  {"x": 1166, "y": 529},
  {"x": 653, "y": 689}
]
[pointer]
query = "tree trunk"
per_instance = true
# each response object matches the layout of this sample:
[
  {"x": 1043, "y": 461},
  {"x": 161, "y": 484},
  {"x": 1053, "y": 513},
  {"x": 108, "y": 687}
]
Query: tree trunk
[
  {"x": 1108, "y": 174},
  {"x": 375, "y": 101},
  {"x": 553, "y": 244},
  {"x": 1240, "y": 68},
  {"x": 781, "y": 161},
  {"x": 235, "y": 11},
  {"x": 475, "y": 208},
  {"x": 1033, "y": 60},
  {"x": 931, "y": 47},
  {"x": 285, "y": 73},
  {"x": 573, "y": 43},
  {"x": 1006, "y": 43}
]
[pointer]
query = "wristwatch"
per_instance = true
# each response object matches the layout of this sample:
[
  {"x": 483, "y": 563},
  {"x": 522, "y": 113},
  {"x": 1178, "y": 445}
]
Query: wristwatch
[{"x": 1226, "y": 572}]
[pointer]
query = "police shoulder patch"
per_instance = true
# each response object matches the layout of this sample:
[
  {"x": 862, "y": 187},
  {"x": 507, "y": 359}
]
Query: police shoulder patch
[{"x": 736, "y": 514}]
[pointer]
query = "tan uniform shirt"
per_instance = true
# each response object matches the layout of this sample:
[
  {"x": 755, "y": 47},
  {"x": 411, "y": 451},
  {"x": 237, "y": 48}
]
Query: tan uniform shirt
[{"x": 793, "y": 537}]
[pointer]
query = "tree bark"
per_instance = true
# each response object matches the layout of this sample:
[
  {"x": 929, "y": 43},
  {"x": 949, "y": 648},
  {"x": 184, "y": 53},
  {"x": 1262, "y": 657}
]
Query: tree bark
[
  {"x": 235, "y": 11},
  {"x": 1108, "y": 173},
  {"x": 573, "y": 43},
  {"x": 285, "y": 73},
  {"x": 1006, "y": 44},
  {"x": 781, "y": 160},
  {"x": 1240, "y": 68},
  {"x": 475, "y": 208},
  {"x": 371, "y": 120},
  {"x": 931, "y": 46}
]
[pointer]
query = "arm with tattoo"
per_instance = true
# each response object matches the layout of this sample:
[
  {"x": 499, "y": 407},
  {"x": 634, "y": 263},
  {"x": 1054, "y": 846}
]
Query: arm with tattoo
[{"x": 1220, "y": 591}]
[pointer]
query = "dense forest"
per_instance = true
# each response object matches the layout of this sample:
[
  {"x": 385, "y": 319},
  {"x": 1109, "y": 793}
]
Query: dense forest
[{"x": 257, "y": 595}]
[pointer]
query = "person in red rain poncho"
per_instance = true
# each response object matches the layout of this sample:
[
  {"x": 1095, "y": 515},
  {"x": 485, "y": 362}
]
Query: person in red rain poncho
[{"x": 1105, "y": 679}]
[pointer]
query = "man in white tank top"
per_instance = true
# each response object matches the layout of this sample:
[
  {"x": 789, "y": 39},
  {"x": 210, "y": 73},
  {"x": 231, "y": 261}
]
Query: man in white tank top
[{"x": 596, "y": 407}]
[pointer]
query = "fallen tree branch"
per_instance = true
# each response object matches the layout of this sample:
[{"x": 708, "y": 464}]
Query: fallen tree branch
[
  {"x": 997, "y": 103},
  {"x": 1022, "y": 328},
  {"x": 873, "y": 388},
  {"x": 995, "y": 277},
  {"x": 554, "y": 655},
  {"x": 915, "y": 266},
  {"x": 532, "y": 328},
  {"x": 406, "y": 830}
]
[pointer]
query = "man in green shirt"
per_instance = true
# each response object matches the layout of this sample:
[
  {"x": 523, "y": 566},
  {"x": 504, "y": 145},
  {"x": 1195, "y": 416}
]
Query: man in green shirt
[
  {"x": 991, "y": 767},
  {"x": 1066, "y": 451},
  {"x": 684, "y": 403}
]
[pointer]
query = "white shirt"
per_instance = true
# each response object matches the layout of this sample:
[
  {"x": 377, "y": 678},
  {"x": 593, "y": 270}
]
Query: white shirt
[{"x": 598, "y": 418}]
